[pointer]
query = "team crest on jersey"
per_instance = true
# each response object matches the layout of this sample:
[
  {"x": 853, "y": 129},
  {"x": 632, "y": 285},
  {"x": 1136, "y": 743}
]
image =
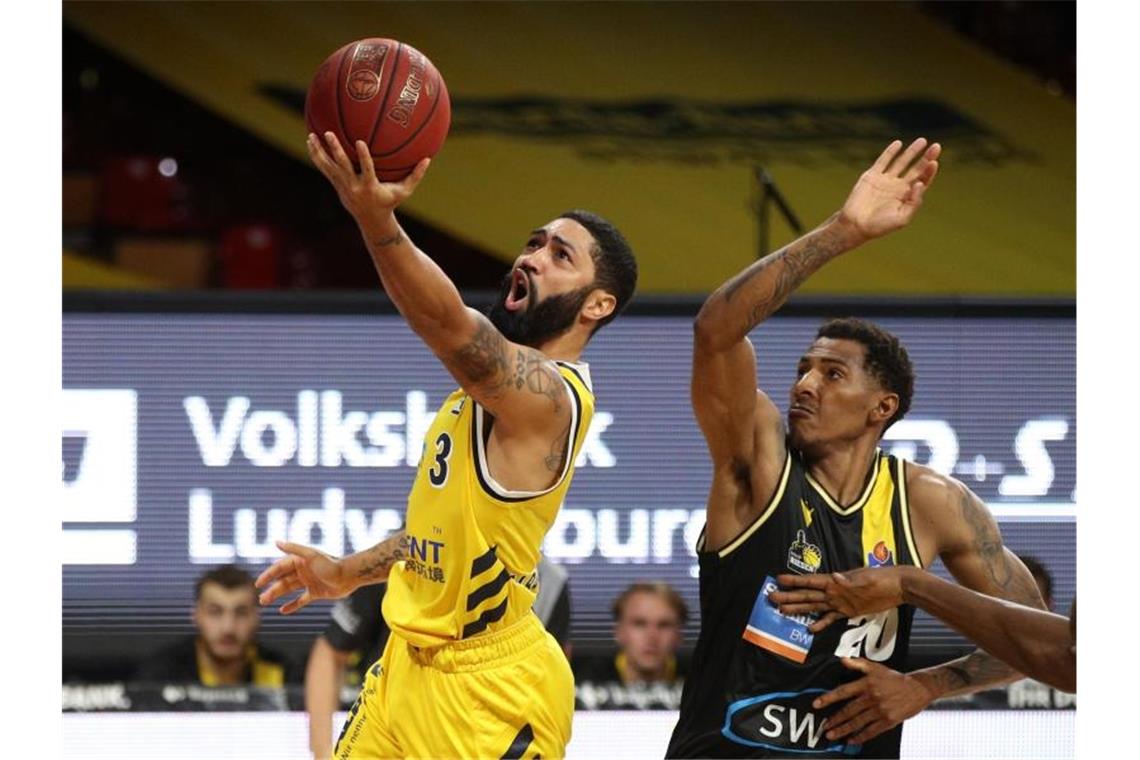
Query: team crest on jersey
[
  {"x": 880, "y": 556},
  {"x": 804, "y": 557}
]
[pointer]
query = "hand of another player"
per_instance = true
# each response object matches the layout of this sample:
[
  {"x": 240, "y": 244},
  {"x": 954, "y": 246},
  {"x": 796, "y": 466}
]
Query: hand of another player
[
  {"x": 889, "y": 194},
  {"x": 305, "y": 569},
  {"x": 879, "y": 701},
  {"x": 367, "y": 198},
  {"x": 862, "y": 591}
]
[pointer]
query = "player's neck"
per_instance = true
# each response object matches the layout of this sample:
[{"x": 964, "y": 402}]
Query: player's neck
[
  {"x": 566, "y": 347},
  {"x": 842, "y": 469}
]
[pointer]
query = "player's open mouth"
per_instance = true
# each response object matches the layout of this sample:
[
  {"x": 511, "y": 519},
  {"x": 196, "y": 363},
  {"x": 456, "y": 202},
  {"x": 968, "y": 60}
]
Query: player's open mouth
[{"x": 519, "y": 292}]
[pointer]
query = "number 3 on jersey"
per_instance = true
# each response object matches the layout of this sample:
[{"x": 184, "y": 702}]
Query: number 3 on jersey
[
  {"x": 439, "y": 469},
  {"x": 874, "y": 633}
]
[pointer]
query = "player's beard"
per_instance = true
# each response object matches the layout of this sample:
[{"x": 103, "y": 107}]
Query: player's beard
[{"x": 539, "y": 321}]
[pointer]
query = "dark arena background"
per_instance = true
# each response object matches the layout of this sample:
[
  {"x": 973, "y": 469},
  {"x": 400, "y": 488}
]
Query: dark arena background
[{"x": 234, "y": 375}]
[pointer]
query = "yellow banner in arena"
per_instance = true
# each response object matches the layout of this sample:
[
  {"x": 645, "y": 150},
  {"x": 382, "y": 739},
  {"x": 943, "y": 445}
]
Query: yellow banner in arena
[{"x": 663, "y": 116}]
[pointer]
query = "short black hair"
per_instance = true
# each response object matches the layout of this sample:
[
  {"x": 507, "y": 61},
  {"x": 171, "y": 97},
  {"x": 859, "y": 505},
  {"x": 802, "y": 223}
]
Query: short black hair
[
  {"x": 615, "y": 268},
  {"x": 884, "y": 358},
  {"x": 1040, "y": 574},
  {"x": 226, "y": 576}
]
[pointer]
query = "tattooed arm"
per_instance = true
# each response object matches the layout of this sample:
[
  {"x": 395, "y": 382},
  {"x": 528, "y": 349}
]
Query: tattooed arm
[
  {"x": 954, "y": 523},
  {"x": 518, "y": 385},
  {"x": 320, "y": 576},
  {"x": 1035, "y": 642},
  {"x": 741, "y": 425}
]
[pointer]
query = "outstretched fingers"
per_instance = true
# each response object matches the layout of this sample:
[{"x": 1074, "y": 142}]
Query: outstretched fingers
[
  {"x": 279, "y": 589},
  {"x": 339, "y": 157},
  {"x": 787, "y": 580},
  {"x": 408, "y": 184},
  {"x": 825, "y": 621},
  {"x": 886, "y": 157},
  {"x": 903, "y": 164},
  {"x": 920, "y": 168},
  {"x": 367, "y": 169},
  {"x": 278, "y": 569},
  {"x": 319, "y": 158},
  {"x": 299, "y": 603}
]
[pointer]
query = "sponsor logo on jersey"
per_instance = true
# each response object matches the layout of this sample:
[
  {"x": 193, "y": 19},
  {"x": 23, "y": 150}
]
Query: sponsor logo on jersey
[
  {"x": 807, "y": 513},
  {"x": 782, "y": 721},
  {"x": 804, "y": 557},
  {"x": 880, "y": 556},
  {"x": 780, "y": 634}
]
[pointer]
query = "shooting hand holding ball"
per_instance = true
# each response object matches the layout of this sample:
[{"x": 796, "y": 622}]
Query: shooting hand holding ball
[{"x": 370, "y": 201}]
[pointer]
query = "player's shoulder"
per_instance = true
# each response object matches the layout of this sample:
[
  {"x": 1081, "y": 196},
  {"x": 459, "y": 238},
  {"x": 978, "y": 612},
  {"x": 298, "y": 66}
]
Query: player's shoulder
[
  {"x": 941, "y": 500},
  {"x": 929, "y": 489}
]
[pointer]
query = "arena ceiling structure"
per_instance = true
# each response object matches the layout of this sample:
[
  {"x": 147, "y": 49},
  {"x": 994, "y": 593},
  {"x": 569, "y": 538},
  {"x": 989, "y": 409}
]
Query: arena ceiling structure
[{"x": 660, "y": 116}]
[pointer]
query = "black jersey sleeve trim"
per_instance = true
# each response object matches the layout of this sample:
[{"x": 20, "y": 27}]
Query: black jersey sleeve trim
[
  {"x": 904, "y": 509},
  {"x": 482, "y": 471},
  {"x": 735, "y": 543}
]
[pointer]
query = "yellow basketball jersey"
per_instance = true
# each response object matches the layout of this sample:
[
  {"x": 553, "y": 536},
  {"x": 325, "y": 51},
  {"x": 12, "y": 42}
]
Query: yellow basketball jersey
[{"x": 473, "y": 545}]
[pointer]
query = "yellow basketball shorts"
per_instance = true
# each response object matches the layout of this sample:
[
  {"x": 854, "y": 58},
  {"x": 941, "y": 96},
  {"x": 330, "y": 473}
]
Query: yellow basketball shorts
[{"x": 506, "y": 695}]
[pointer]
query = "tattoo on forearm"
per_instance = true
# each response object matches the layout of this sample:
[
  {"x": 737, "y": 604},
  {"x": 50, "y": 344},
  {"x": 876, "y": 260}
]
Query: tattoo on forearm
[
  {"x": 790, "y": 266},
  {"x": 979, "y": 668},
  {"x": 388, "y": 241},
  {"x": 380, "y": 558}
]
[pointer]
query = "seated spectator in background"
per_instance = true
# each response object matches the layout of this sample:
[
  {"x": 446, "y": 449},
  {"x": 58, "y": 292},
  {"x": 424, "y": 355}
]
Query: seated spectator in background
[
  {"x": 1043, "y": 577},
  {"x": 224, "y": 651},
  {"x": 644, "y": 673},
  {"x": 355, "y": 638}
]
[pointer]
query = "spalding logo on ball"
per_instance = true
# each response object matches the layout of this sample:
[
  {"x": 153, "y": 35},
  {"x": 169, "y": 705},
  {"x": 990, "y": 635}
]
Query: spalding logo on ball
[{"x": 385, "y": 93}]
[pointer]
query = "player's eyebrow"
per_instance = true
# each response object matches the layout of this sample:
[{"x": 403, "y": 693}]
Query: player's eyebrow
[
  {"x": 564, "y": 242},
  {"x": 806, "y": 359},
  {"x": 542, "y": 231}
]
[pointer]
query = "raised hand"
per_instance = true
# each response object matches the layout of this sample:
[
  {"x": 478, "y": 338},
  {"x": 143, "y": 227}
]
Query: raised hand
[
  {"x": 889, "y": 194},
  {"x": 314, "y": 573},
  {"x": 863, "y": 591},
  {"x": 366, "y": 197}
]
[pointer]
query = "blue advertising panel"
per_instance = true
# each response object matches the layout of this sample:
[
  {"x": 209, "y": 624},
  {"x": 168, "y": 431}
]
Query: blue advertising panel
[{"x": 194, "y": 439}]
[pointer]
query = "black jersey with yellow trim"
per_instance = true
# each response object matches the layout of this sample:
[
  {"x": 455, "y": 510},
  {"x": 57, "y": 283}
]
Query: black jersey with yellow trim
[{"x": 755, "y": 672}]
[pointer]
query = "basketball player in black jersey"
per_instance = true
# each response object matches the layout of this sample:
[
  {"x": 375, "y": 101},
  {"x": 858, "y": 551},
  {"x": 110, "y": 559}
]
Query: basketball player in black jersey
[{"x": 819, "y": 496}]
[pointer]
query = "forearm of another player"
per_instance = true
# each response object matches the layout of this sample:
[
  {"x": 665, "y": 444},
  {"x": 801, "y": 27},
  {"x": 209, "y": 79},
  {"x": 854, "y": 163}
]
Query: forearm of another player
[
  {"x": 323, "y": 677},
  {"x": 373, "y": 565},
  {"x": 1034, "y": 642},
  {"x": 752, "y": 296}
]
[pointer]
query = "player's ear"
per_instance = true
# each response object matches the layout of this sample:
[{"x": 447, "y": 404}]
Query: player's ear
[
  {"x": 885, "y": 409},
  {"x": 598, "y": 305}
]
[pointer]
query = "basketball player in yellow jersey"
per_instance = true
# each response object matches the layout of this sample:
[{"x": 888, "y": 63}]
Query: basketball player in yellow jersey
[{"x": 469, "y": 671}]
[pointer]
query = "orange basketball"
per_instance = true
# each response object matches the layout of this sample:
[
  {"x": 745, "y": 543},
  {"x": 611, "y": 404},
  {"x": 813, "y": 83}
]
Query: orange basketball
[{"x": 387, "y": 94}]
